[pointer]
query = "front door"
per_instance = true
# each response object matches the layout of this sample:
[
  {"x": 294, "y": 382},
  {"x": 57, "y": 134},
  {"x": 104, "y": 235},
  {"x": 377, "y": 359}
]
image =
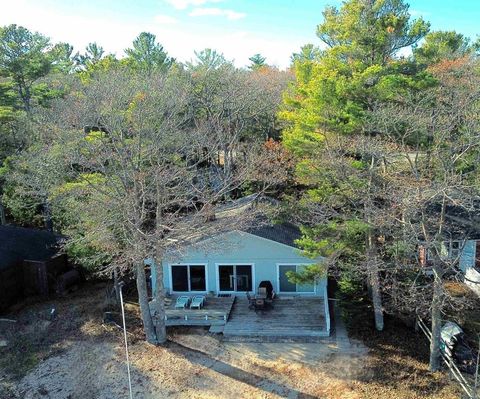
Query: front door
[{"x": 235, "y": 278}]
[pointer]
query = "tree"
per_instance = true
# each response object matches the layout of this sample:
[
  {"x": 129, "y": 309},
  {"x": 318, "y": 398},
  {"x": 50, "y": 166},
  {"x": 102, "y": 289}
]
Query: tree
[
  {"x": 147, "y": 55},
  {"x": 24, "y": 58},
  {"x": 326, "y": 111},
  {"x": 257, "y": 62},
  {"x": 434, "y": 188},
  {"x": 93, "y": 54},
  {"x": 141, "y": 173},
  {"x": 308, "y": 52},
  {"x": 208, "y": 59},
  {"x": 442, "y": 45},
  {"x": 371, "y": 31},
  {"x": 63, "y": 61}
]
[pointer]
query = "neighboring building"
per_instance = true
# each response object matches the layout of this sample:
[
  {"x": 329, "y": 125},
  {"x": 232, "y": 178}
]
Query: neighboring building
[
  {"x": 236, "y": 262},
  {"x": 26, "y": 261},
  {"x": 466, "y": 253},
  {"x": 469, "y": 264}
]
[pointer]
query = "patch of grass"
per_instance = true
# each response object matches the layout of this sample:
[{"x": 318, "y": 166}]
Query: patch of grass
[{"x": 19, "y": 357}]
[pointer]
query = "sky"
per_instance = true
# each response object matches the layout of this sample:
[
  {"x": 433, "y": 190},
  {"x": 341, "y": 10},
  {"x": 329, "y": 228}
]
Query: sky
[{"x": 236, "y": 28}]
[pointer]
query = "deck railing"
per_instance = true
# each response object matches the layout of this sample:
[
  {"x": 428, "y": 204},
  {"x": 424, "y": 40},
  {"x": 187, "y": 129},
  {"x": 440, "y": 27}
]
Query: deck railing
[{"x": 196, "y": 316}]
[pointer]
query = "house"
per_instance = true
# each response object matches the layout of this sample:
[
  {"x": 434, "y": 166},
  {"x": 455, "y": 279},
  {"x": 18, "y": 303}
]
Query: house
[
  {"x": 465, "y": 254},
  {"x": 227, "y": 266},
  {"x": 236, "y": 262},
  {"x": 469, "y": 264}
]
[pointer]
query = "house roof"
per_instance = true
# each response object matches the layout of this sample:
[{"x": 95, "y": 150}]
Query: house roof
[
  {"x": 19, "y": 243},
  {"x": 259, "y": 225},
  {"x": 284, "y": 233}
]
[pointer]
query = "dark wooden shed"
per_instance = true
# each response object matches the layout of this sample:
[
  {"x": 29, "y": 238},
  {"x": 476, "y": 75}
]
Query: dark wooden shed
[{"x": 27, "y": 259}]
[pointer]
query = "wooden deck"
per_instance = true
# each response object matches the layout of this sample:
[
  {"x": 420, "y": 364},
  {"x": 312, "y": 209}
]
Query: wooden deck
[
  {"x": 298, "y": 317},
  {"x": 215, "y": 312}
]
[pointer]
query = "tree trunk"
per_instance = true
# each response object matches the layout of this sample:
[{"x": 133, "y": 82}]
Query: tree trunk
[
  {"x": 148, "y": 325},
  {"x": 159, "y": 296},
  {"x": 371, "y": 257},
  {"x": 376, "y": 295},
  {"x": 3, "y": 219},
  {"x": 436, "y": 319},
  {"x": 47, "y": 216},
  {"x": 116, "y": 286},
  {"x": 374, "y": 282}
]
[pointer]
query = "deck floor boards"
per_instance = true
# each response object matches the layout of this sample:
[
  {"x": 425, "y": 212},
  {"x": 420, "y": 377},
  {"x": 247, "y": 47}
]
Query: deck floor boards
[
  {"x": 296, "y": 317},
  {"x": 215, "y": 312}
]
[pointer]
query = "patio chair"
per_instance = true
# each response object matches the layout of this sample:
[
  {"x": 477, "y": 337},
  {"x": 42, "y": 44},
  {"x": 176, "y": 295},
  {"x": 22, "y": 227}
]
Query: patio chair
[
  {"x": 251, "y": 301},
  {"x": 197, "y": 302},
  {"x": 262, "y": 291},
  {"x": 259, "y": 304},
  {"x": 182, "y": 302}
]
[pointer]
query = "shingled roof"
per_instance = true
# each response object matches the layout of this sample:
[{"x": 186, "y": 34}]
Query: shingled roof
[
  {"x": 284, "y": 233},
  {"x": 19, "y": 243}
]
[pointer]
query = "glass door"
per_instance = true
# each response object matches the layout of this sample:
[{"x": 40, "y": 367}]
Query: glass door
[
  {"x": 286, "y": 286},
  {"x": 243, "y": 278},
  {"x": 235, "y": 278},
  {"x": 226, "y": 276}
]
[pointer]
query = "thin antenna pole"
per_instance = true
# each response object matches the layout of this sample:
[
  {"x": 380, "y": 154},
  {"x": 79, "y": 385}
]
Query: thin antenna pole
[
  {"x": 126, "y": 342},
  {"x": 476, "y": 371}
]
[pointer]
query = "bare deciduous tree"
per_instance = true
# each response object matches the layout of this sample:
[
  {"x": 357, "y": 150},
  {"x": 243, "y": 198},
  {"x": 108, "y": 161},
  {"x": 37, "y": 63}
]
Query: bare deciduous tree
[{"x": 144, "y": 171}]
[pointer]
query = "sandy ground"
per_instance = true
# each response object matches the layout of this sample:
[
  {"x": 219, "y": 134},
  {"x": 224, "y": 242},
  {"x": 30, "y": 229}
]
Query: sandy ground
[
  {"x": 75, "y": 356},
  {"x": 197, "y": 366}
]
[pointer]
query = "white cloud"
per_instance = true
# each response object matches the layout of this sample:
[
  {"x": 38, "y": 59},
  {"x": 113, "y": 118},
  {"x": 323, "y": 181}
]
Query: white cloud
[
  {"x": 180, "y": 39},
  {"x": 230, "y": 14},
  {"x": 165, "y": 19},
  {"x": 183, "y": 4},
  {"x": 114, "y": 35}
]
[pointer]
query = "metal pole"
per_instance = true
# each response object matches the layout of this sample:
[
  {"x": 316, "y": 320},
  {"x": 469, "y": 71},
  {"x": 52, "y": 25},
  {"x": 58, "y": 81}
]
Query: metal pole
[
  {"x": 476, "y": 371},
  {"x": 126, "y": 342}
]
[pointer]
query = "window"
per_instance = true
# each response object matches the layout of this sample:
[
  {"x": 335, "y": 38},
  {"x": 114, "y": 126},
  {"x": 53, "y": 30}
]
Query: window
[
  {"x": 286, "y": 286},
  {"x": 454, "y": 249},
  {"x": 189, "y": 278},
  {"x": 449, "y": 250}
]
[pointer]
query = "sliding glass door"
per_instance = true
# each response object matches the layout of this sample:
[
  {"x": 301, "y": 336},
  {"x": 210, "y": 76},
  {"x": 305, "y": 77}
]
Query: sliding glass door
[
  {"x": 189, "y": 278},
  {"x": 235, "y": 278},
  {"x": 286, "y": 286},
  {"x": 226, "y": 276}
]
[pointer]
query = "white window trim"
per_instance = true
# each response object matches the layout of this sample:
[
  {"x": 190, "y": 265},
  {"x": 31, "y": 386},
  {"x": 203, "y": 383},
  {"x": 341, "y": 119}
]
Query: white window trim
[
  {"x": 170, "y": 277},
  {"x": 217, "y": 277},
  {"x": 315, "y": 284}
]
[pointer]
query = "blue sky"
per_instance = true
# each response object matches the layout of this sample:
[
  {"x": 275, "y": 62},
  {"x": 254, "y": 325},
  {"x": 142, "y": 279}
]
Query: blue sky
[{"x": 238, "y": 28}]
